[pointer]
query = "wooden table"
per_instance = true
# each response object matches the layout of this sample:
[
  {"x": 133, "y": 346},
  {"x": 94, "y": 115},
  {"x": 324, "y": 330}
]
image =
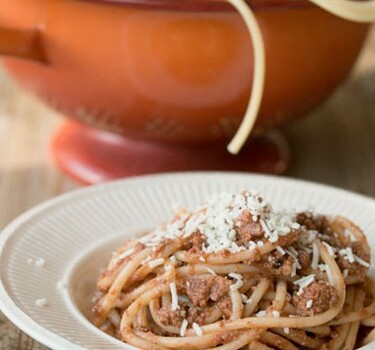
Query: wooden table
[{"x": 334, "y": 145}]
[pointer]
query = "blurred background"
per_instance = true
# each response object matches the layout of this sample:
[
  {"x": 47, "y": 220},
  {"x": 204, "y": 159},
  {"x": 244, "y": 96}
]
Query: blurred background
[{"x": 334, "y": 144}]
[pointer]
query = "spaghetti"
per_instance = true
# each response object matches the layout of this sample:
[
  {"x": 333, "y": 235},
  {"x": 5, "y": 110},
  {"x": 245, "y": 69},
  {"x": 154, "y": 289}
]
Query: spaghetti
[
  {"x": 236, "y": 274},
  {"x": 358, "y": 11}
]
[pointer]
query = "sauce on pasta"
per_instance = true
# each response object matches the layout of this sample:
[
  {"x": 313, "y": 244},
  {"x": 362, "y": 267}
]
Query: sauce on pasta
[{"x": 236, "y": 274}]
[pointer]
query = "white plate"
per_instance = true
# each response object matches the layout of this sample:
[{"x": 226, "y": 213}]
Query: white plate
[{"x": 76, "y": 232}]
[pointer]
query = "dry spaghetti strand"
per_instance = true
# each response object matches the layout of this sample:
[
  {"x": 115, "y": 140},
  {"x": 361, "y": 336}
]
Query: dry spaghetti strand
[{"x": 358, "y": 11}]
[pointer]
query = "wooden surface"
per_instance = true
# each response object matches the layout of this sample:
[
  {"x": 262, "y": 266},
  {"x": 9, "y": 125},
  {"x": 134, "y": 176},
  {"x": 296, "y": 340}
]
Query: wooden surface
[{"x": 334, "y": 145}]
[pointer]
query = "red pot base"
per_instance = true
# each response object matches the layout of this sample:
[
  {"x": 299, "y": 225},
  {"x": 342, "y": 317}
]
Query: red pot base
[{"x": 92, "y": 156}]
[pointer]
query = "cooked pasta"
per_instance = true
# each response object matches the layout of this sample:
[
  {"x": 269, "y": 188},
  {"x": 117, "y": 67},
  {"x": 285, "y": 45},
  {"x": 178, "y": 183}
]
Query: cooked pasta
[
  {"x": 353, "y": 10},
  {"x": 236, "y": 274}
]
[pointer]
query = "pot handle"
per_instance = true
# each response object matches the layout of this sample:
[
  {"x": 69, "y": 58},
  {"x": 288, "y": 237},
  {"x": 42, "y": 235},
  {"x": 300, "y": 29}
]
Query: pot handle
[{"x": 27, "y": 44}]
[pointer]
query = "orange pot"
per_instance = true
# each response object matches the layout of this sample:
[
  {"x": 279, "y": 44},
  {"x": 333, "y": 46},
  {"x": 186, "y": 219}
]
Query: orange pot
[{"x": 172, "y": 72}]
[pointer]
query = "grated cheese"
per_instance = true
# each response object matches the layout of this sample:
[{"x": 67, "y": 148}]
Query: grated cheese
[
  {"x": 261, "y": 313},
  {"x": 267, "y": 232},
  {"x": 315, "y": 258},
  {"x": 294, "y": 269},
  {"x": 197, "y": 329},
  {"x": 183, "y": 328},
  {"x": 304, "y": 282},
  {"x": 236, "y": 276},
  {"x": 237, "y": 285},
  {"x": 325, "y": 268},
  {"x": 286, "y": 330},
  {"x": 174, "y": 295},
  {"x": 41, "y": 302},
  {"x": 311, "y": 235},
  {"x": 330, "y": 249},
  {"x": 40, "y": 262},
  {"x": 329, "y": 275},
  {"x": 173, "y": 260},
  {"x": 123, "y": 255},
  {"x": 361, "y": 261},
  {"x": 293, "y": 251},
  {"x": 309, "y": 304},
  {"x": 244, "y": 298},
  {"x": 349, "y": 234},
  {"x": 347, "y": 253},
  {"x": 322, "y": 267},
  {"x": 156, "y": 262},
  {"x": 212, "y": 272},
  {"x": 280, "y": 250},
  {"x": 216, "y": 221},
  {"x": 275, "y": 313},
  {"x": 60, "y": 285},
  {"x": 296, "y": 265}
]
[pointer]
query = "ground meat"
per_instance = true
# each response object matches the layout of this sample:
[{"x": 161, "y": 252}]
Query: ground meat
[
  {"x": 357, "y": 242},
  {"x": 313, "y": 222},
  {"x": 194, "y": 244},
  {"x": 175, "y": 317},
  {"x": 200, "y": 289},
  {"x": 195, "y": 314},
  {"x": 171, "y": 317},
  {"x": 277, "y": 264},
  {"x": 288, "y": 239},
  {"x": 247, "y": 229},
  {"x": 304, "y": 258},
  {"x": 356, "y": 269},
  {"x": 321, "y": 293},
  {"x": 225, "y": 306}
]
